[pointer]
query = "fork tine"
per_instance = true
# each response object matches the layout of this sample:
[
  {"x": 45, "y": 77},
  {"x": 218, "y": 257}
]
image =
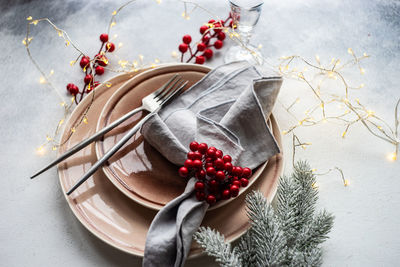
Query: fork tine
[
  {"x": 167, "y": 90},
  {"x": 162, "y": 88},
  {"x": 180, "y": 87}
]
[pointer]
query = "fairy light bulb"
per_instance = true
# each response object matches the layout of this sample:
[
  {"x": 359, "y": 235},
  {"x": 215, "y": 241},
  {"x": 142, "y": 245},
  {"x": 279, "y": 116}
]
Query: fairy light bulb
[{"x": 392, "y": 156}]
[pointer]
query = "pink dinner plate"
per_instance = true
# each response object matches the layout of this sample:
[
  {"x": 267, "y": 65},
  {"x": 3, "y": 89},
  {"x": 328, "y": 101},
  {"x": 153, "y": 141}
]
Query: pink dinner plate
[
  {"x": 115, "y": 218},
  {"x": 137, "y": 169}
]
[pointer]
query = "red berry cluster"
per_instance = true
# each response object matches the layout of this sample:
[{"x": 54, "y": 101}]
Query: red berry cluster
[
  {"x": 99, "y": 62},
  {"x": 216, "y": 176},
  {"x": 212, "y": 36}
]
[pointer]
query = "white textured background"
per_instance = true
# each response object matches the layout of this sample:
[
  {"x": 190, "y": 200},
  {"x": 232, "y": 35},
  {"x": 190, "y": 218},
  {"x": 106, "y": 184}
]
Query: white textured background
[{"x": 36, "y": 226}]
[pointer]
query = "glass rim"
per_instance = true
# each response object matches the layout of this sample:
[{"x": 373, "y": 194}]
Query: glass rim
[{"x": 247, "y": 8}]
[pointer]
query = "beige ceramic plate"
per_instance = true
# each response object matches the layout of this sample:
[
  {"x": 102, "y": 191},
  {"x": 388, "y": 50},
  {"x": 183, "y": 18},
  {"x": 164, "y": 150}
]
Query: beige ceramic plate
[
  {"x": 116, "y": 219},
  {"x": 137, "y": 169}
]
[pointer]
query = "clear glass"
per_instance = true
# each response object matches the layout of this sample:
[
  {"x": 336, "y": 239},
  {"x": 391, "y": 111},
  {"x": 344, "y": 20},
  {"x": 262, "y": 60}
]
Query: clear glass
[{"x": 245, "y": 15}]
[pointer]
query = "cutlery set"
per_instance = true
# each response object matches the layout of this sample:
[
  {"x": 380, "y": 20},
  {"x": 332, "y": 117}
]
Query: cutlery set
[{"x": 151, "y": 103}]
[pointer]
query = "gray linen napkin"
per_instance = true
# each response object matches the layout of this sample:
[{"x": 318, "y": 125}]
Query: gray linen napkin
[{"x": 226, "y": 109}]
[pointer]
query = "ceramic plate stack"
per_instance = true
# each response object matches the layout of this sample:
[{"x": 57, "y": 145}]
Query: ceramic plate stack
[{"x": 119, "y": 202}]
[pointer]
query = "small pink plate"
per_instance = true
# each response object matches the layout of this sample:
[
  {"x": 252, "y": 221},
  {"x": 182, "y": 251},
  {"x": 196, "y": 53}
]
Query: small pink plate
[{"x": 138, "y": 170}]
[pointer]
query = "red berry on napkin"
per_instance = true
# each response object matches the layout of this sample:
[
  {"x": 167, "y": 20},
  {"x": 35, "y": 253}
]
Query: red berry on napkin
[
  {"x": 199, "y": 186},
  {"x": 228, "y": 167},
  {"x": 211, "y": 199},
  {"x": 194, "y": 146},
  {"x": 201, "y": 174},
  {"x": 188, "y": 164},
  {"x": 246, "y": 172},
  {"x": 219, "y": 154},
  {"x": 220, "y": 176},
  {"x": 197, "y": 164},
  {"x": 219, "y": 164},
  {"x": 191, "y": 155},
  {"x": 244, "y": 182},
  {"x": 234, "y": 190},
  {"x": 202, "y": 148},
  {"x": 183, "y": 172},
  {"x": 198, "y": 155},
  {"x": 227, "y": 158},
  {"x": 211, "y": 171},
  {"x": 200, "y": 196},
  {"x": 226, "y": 194}
]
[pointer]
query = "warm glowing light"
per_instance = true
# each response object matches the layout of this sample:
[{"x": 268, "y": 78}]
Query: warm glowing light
[
  {"x": 284, "y": 132},
  {"x": 313, "y": 170},
  {"x": 29, "y": 18},
  {"x": 315, "y": 185},
  {"x": 362, "y": 71},
  {"x": 114, "y": 13},
  {"x": 112, "y": 24},
  {"x": 54, "y": 148},
  {"x": 350, "y": 51},
  {"x": 120, "y": 45},
  {"x": 344, "y": 134},
  {"x": 259, "y": 46},
  {"x": 85, "y": 120},
  {"x": 346, "y": 182},
  {"x": 392, "y": 156},
  {"x": 40, "y": 150},
  {"x": 42, "y": 80}
]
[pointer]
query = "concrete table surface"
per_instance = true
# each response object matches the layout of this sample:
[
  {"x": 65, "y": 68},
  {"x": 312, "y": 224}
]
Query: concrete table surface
[{"x": 37, "y": 227}]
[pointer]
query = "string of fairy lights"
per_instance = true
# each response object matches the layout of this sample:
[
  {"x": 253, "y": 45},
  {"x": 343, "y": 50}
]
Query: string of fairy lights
[{"x": 347, "y": 111}]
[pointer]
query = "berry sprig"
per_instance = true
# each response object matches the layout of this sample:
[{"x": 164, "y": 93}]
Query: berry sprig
[
  {"x": 217, "y": 178},
  {"x": 89, "y": 66},
  {"x": 212, "y": 36}
]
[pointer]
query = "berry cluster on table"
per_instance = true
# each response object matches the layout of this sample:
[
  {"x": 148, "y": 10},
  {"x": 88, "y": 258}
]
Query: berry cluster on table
[
  {"x": 212, "y": 36},
  {"x": 217, "y": 178},
  {"x": 98, "y": 62}
]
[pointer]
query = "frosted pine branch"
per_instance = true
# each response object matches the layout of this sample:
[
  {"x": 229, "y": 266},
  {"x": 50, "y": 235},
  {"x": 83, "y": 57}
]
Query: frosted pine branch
[
  {"x": 214, "y": 245},
  {"x": 289, "y": 235}
]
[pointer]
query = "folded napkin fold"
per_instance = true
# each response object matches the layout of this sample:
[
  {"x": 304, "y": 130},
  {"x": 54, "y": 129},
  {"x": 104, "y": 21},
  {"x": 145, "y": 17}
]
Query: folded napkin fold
[{"x": 227, "y": 109}]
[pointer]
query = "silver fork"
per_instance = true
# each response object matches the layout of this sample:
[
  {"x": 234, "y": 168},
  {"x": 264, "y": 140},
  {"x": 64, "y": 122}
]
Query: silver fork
[{"x": 152, "y": 103}]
